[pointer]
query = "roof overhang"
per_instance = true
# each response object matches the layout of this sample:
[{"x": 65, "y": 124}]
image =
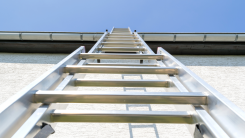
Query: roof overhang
[
  {"x": 174, "y": 43},
  {"x": 147, "y": 36}
]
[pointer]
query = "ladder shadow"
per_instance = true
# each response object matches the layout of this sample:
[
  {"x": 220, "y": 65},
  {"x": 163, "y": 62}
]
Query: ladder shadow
[{"x": 139, "y": 105}]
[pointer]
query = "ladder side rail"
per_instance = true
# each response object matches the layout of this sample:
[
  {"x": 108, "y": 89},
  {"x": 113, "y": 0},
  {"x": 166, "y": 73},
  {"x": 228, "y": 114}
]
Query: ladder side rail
[
  {"x": 95, "y": 48},
  {"x": 144, "y": 44},
  {"x": 98, "y": 43},
  {"x": 112, "y": 29},
  {"x": 129, "y": 30},
  {"x": 148, "y": 49},
  {"x": 206, "y": 123},
  {"x": 218, "y": 104},
  {"x": 17, "y": 109},
  {"x": 33, "y": 125}
]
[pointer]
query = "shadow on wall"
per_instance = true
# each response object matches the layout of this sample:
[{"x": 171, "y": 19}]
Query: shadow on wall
[
  {"x": 211, "y": 60},
  {"x": 31, "y": 58}
]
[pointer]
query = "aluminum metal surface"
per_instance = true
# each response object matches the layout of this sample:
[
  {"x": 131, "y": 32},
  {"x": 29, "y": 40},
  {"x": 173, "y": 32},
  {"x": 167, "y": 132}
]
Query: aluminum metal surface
[
  {"x": 48, "y": 97},
  {"x": 121, "y": 40},
  {"x": 81, "y": 62},
  {"x": 112, "y": 29},
  {"x": 120, "y": 31},
  {"x": 66, "y": 37},
  {"x": 119, "y": 56},
  {"x": 9, "y": 36},
  {"x": 122, "y": 116},
  {"x": 122, "y": 83},
  {"x": 98, "y": 43},
  {"x": 122, "y": 37},
  {"x": 189, "y": 37},
  {"x": 209, "y": 128},
  {"x": 119, "y": 46},
  {"x": 36, "y": 36},
  {"x": 148, "y": 49},
  {"x": 120, "y": 70},
  {"x": 121, "y": 34},
  {"x": 121, "y": 43},
  {"x": 120, "y": 64},
  {"x": 218, "y": 105},
  {"x": 31, "y": 122},
  {"x": 121, "y": 49},
  {"x": 19, "y": 108},
  {"x": 220, "y": 37},
  {"x": 34, "y": 122},
  {"x": 178, "y": 78},
  {"x": 129, "y": 30}
]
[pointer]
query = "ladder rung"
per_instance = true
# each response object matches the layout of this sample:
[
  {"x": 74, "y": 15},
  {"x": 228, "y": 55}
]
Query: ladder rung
[
  {"x": 120, "y": 64},
  {"x": 121, "y": 40},
  {"x": 119, "y": 56},
  {"x": 126, "y": 32},
  {"x": 47, "y": 97},
  {"x": 122, "y": 116},
  {"x": 121, "y": 49},
  {"x": 121, "y": 43},
  {"x": 142, "y": 126},
  {"x": 121, "y": 34},
  {"x": 131, "y": 75},
  {"x": 120, "y": 29},
  {"x": 138, "y": 105},
  {"x": 129, "y": 35},
  {"x": 122, "y": 37},
  {"x": 120, "y": 70},
  {"x": 134, "y": 88},
  {"x": 118, "y": 46},
  {"x": 122, "y": 83}
]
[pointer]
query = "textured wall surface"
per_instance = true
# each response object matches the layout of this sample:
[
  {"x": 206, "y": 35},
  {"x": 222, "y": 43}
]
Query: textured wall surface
[{"x": 224, "y": 73}]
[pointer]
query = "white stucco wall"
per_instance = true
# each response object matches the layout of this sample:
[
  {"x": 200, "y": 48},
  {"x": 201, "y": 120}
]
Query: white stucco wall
[{"x": 224, "y": 73}]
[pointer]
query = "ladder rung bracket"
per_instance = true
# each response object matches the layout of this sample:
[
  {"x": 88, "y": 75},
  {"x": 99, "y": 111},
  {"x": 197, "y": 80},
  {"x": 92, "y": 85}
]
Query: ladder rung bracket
[
  {"x": 180, "y": 117},
  {"x": 122, "y": 83},
  {"x": 121, "y": 49},
  {"x": 120, "y": 70},
  {"x": 47, "y": 97},
  {"x": 120, "y": 64},
  {"x": 119, "y": 56}
]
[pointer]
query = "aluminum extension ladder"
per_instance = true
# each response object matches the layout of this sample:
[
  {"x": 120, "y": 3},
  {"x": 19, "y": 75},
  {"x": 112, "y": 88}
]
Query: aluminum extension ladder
[{"x": 204, "y": 110}]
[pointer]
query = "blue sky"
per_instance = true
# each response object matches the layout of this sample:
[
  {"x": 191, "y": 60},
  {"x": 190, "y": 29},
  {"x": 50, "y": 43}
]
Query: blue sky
[{"x": 140, "y": 15}]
